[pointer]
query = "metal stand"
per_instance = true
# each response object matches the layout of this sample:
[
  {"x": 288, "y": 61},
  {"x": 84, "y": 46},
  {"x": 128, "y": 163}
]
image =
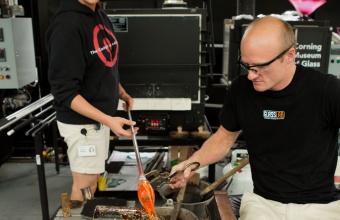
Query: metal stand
[
  {"x": 37, "y": 133},
  {"x": 55, "y": 146},
  {"x": 38, "y": 143}
]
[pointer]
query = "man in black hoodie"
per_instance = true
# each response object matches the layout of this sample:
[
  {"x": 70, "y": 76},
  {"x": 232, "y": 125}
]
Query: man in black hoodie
[{"x": 84, "y": 79}]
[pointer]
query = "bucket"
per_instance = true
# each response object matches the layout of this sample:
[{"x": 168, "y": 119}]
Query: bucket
[
  {"x": 165, "y": 212},
  {"x": 198, "y": 208}
]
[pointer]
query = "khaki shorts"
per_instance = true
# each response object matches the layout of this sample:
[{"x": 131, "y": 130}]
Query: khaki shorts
[
  {"x": 95, "y": 143},
  {"x": 256, "y": 207}
]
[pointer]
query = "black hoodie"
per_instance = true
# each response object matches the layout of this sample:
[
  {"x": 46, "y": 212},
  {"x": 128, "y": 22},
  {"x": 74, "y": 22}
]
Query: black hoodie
[{"x": 83, "y": 59}]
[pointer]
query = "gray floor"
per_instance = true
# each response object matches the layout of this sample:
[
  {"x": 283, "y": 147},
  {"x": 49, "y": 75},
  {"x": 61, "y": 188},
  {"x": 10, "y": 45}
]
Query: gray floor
[
  {"x": 19, "y": 189},
  {"x": 20, "y": 196}
]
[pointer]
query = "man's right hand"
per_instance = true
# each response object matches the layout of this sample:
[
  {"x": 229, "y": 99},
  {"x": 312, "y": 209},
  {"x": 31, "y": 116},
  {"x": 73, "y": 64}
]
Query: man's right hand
[{"x": 181, "y": 178}]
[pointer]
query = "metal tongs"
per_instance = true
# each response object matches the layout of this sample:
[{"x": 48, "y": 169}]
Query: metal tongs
[{"x": 166, "y": 177}]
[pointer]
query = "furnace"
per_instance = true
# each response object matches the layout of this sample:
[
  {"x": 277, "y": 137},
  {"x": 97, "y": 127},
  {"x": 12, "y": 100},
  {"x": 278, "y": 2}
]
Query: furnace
[{"x": 163, "y": 66}]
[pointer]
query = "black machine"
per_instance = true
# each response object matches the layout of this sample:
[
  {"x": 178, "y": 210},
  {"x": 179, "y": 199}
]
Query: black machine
[{"x": 163, "y": 66}]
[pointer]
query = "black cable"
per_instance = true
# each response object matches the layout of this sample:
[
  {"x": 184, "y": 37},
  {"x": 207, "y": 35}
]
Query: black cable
[{"x": 229, "y": 183}]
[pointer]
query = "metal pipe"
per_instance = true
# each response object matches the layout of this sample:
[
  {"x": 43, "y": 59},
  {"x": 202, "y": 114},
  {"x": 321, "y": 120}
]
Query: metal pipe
[
  {"x": 20, "y": 126},
  {"x": 30, "y": 107},
  {"x": 44, "y": 125},
  {"x": 30, "y": 131},
  {"x": 135, "y": 145},
  {"x": 13, "y": 118}
]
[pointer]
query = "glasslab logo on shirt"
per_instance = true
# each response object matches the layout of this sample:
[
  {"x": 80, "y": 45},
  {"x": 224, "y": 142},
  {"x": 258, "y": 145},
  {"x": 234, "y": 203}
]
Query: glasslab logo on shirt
[{"x": 273, "y": 115}]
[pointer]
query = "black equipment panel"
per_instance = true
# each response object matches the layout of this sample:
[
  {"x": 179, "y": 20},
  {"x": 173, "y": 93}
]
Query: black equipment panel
[{"x": 163, "y": 55}]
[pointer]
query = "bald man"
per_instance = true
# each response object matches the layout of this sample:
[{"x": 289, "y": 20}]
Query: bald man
[{"x": 290, "y": 118}]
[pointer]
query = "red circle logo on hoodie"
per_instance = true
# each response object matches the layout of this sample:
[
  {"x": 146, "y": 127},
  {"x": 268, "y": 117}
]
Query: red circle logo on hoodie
[{"x": 105, "y": 52}]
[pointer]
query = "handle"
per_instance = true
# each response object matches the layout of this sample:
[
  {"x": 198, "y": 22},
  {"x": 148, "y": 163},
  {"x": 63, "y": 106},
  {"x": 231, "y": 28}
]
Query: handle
[
  {"x": 177, "y": 207},
  {"x": 223, "y": 178}
]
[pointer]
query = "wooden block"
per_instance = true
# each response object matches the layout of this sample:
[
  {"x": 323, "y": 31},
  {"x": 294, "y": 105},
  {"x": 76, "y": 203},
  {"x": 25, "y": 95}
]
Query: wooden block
[
  {"x": 191, "y": 150},
  {"x": 183, "y": 153},
  {"x": 65, "y": 205},
  {"x": 224, "y": 206},
  {"x": 174, "y": 153}
]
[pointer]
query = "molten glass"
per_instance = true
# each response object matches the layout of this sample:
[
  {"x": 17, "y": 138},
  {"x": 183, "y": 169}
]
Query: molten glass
[
  {"x": 146, "y": 196},
  {"x": 307, "y": 7}
]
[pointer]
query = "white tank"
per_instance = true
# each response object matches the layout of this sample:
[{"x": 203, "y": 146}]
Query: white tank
[{"x": 241, "y": 181}]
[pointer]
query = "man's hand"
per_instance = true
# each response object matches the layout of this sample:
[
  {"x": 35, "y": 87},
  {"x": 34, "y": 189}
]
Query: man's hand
[{"x": 181, "y": 177}]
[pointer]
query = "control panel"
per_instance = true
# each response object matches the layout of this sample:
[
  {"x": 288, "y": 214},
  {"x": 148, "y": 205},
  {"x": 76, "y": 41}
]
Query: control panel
[
  {"x": 17, "y": 55},
  {"x": 334, "y": 60},
  {"x": 153, "y": 123}
]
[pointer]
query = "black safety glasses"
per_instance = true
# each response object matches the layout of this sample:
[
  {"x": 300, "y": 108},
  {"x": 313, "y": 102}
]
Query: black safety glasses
[{"x": 251, "y": 67}]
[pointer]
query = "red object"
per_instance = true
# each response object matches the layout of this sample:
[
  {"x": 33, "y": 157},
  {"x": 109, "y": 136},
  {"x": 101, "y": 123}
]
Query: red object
[
  {"x": 146, "y": 196},
  {"x": 8, "y": 76},
  {"x": 307, "y": 7}
]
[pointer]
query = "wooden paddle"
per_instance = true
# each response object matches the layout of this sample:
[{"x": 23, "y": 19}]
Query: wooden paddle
[{"x": 212, "y": 186}]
